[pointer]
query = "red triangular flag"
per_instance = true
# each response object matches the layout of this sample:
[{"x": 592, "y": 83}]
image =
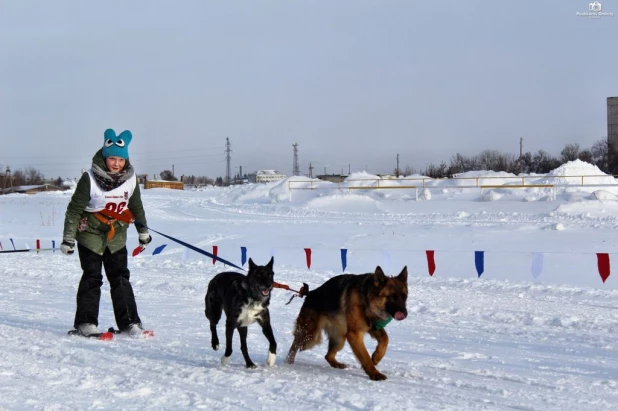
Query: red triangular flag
[
  {"x": 308, "y": 253},
  {"x": 431, "y": 264},
  {"x": 38, "y": 245},
  {"x": 138, "y": 250},
  {"x": 603, "y": 263},
  {"x": 214, "y": 252}
]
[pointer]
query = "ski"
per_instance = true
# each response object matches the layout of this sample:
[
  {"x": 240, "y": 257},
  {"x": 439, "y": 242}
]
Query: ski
[
  {"x": 145, "y": 333},
  {"x": 105, "y": 336}
]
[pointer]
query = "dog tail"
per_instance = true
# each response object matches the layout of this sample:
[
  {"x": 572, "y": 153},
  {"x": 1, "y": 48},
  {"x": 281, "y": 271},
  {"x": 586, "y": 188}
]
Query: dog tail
[{"x": 213, "y": 306}]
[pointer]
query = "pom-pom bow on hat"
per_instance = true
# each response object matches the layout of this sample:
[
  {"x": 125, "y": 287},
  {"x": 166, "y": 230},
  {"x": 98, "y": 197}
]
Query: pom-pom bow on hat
[{"x": 116, "y": 145}]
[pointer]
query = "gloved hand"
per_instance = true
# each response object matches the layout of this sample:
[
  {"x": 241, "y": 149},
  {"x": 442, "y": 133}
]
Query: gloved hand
[
  {"x": 144, "y": 238},
  {"x": 67, "y": 247}
]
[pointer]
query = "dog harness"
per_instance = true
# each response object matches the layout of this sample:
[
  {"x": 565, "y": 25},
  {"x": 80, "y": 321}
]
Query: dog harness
[{"x": 110, "y": 218}]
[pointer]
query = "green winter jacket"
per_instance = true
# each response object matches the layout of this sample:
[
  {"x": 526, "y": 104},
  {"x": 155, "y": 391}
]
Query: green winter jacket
[{"x": 92, "y": 237}]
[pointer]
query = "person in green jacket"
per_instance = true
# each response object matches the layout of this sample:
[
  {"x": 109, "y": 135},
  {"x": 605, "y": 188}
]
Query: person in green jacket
[{"x": 106, "y": 199}]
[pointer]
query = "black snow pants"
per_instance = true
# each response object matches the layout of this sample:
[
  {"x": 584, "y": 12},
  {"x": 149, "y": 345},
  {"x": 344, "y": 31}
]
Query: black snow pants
[{"x": 89, "y": 291}]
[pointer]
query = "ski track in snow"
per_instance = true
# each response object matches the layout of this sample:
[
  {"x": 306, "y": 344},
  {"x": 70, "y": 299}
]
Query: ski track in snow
[{"x": 474, "y": 344}]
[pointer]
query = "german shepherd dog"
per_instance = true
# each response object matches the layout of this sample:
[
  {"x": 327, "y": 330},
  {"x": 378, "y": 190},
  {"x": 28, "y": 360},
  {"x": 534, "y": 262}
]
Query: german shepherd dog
[
  {"x": 245, "y": 300},
  {"x": 347, "y": 307}
]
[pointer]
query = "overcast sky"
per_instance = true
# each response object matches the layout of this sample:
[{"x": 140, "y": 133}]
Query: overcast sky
[{"x": 352, "y": 82}]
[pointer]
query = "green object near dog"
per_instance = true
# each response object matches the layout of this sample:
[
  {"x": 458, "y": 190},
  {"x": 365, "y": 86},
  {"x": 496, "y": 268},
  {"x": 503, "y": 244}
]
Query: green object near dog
[{"x": 379, "y": 324}]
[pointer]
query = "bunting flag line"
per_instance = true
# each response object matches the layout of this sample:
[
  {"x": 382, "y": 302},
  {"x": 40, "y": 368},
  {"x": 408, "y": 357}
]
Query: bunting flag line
[
  {"x": 159, "y": 249},
  {"x": 537, "y": 265},
  {"x": 13, "y": 244},
  {"x": 344, "y": 259},
  {"x": 243, "y": 256},
  {"x": 479, "y": 262},
  {"x": 431, "y": 264},
  {"x": 214, "y": 253},
  {"x": 308, "y": 255},
  {"x": 603, "y": 263},
  {"x": 26, "y": 250}
]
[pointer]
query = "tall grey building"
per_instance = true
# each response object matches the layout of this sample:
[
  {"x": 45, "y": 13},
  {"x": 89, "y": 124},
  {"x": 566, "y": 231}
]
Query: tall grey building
[{"x": 612, "y": 134}]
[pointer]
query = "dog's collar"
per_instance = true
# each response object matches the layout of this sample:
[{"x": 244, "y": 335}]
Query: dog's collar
[{"x": 379, "y": 324}]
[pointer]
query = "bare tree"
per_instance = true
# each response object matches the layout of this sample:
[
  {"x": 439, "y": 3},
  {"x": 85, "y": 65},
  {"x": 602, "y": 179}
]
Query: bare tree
[
  {"x": 543, "y": 162},
  {"x": 600, "y": 154},
  {"x": 570, "y": 152},
  {"x": 19, "y": 178},
  {"x": 167, "y": 175},
  {"x": 408, "y": 171},
  {"x": 33, "y": 176}
]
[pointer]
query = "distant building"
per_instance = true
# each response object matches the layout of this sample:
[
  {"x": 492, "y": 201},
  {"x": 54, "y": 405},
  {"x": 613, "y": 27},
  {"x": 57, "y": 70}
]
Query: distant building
[
  {"x": 266, "y": 176},
  {"x": 31, "y": 189}
]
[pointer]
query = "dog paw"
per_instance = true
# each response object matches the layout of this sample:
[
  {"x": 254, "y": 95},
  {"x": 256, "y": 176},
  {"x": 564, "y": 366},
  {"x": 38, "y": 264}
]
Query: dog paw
[
  {"x": 377, "y": 376},
  {"x": 215, "y": 347},
  {"x": 251, "y": 366},
  {"x": 270, "y": 360},
  {"x": 225, "y": 360}
]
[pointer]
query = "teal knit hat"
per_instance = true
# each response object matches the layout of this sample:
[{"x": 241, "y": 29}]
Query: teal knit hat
[{"x": 116, "y": 146}]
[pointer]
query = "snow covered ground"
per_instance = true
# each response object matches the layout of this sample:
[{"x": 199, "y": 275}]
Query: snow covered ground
[{"x": 539, "y": 336}]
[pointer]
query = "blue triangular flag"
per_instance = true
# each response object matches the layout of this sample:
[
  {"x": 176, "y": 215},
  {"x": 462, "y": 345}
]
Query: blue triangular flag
[
  {"x": 53, "y": 246},
  {"x": 159, "y": 249},
  {"x": 344, "y": 258},
  {"x": 13, "y": 244},
  {"x": 243, "y": 256},
  {"x": 479, "y": 261},
  {"x": 537, "y": 265}
]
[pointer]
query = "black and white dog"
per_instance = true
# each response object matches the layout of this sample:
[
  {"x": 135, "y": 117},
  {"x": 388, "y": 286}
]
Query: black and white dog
[{"x": 245, "y": 300}]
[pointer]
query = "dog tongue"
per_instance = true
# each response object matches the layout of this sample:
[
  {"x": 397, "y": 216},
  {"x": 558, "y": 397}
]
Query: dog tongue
[
  {"x": 399, "y": 316},
  {"x": 265, "y": 292}
]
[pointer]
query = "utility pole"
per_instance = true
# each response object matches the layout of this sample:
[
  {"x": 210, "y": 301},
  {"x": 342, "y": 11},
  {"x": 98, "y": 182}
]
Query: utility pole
[
  {"x": 7, "y": 176},
  {"x": 397, "y": 169},
  {"x": 173, "y": 171},
  {"x": 228, "y": 161},
  {"x": 295, "y": 166},
  {"x": 521, "y": 153},
  {"x": 310, "y": 171}
]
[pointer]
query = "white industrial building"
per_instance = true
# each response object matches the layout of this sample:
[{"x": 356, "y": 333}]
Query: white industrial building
[{"x": 266, "y": 176}]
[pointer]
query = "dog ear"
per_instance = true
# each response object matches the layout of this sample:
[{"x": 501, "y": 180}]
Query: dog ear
[
  {"x": 251, "y": 264},
  {"x": 403, "y": 275},
  {"x": 379, "y": 278},
  {"x": 270, "y": 263}
]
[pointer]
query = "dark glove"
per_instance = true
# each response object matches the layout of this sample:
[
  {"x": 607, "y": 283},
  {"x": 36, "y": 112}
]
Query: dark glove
[
  {"x": 67, "y": 247},
  {"x": 144, "y": 238}
]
